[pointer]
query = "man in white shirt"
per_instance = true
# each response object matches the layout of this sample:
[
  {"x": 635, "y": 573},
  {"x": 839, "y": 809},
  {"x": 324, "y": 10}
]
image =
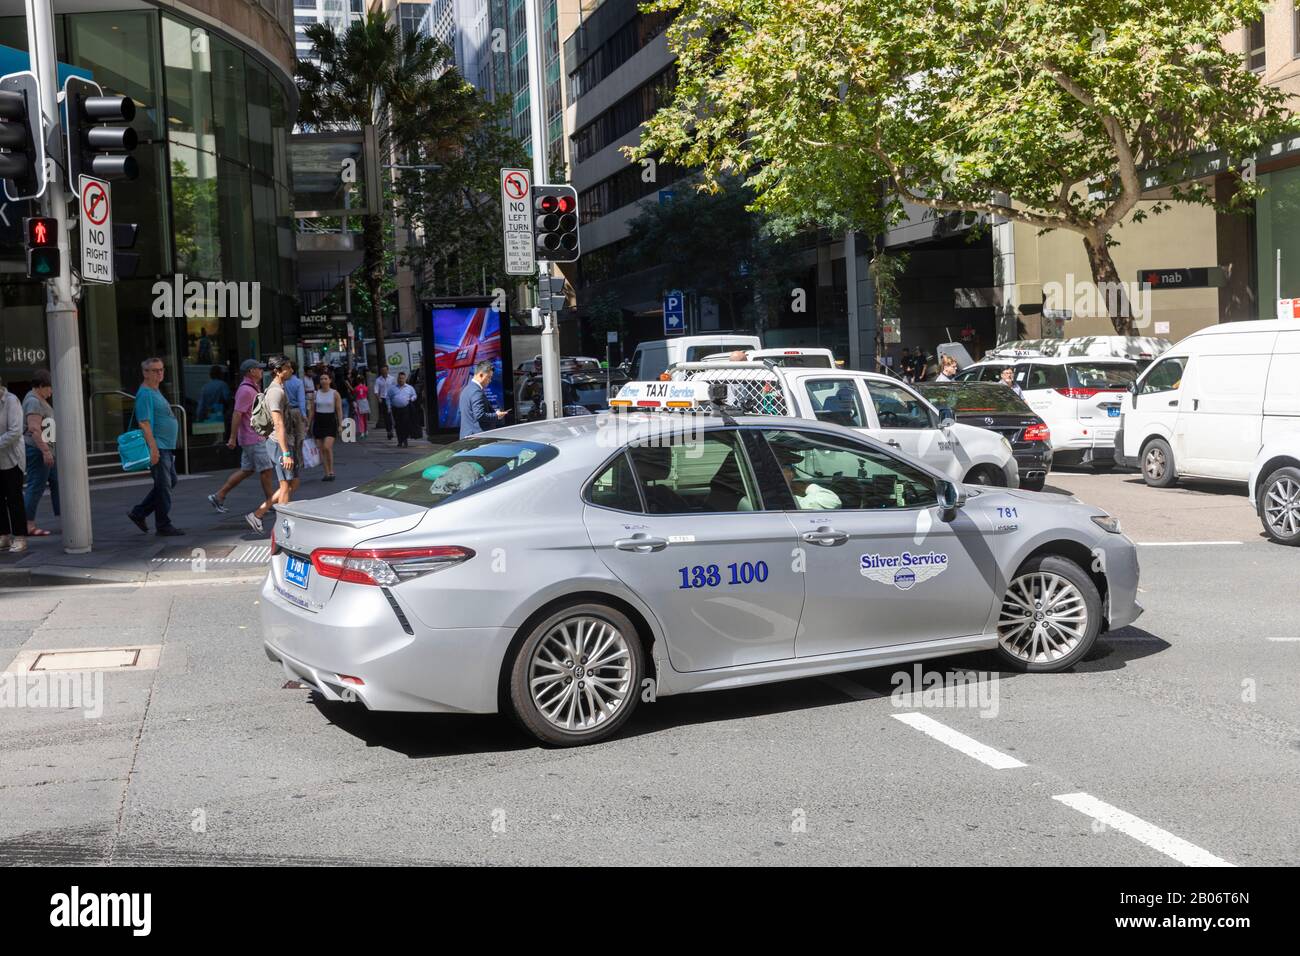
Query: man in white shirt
[
  {"x": 400, "y": 398},
  {"x": 808, "y": 496},
  {"x": 383, "y": 385}
]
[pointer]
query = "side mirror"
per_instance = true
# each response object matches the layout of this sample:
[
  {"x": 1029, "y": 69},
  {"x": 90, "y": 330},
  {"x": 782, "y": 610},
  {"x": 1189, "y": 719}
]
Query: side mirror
[
  {"x": 1133, "y": 386},
  {"x": 951, "y": 496},
  {"x": 946, "y": 417}
]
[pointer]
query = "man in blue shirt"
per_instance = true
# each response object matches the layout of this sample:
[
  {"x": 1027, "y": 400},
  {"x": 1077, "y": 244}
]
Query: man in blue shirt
[
  {"x": 296, "y": 392},
  {"x": 158, "y": 423},
  {"x": 476, "y": 412}
]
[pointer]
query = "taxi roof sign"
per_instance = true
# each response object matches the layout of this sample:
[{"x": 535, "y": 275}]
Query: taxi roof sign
[{"x": 662, "y": 396}]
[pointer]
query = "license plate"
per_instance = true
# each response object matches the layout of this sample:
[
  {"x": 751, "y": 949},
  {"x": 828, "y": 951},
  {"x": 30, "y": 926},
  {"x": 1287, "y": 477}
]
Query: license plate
[
  {"x": 296, "y": 570},
  {"x": 1113, "y": 411}
]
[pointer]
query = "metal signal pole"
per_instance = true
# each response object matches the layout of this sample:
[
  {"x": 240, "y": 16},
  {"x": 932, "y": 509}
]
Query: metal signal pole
[
  {"x": 550, "y": 344},
  {"x": 60, "y": 309}
]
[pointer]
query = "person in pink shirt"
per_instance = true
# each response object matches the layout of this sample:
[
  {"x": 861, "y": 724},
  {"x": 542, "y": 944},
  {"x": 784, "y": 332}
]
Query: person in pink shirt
[
  {"x": 252, "y": 446},
  {"x": 361, "y": 402}
]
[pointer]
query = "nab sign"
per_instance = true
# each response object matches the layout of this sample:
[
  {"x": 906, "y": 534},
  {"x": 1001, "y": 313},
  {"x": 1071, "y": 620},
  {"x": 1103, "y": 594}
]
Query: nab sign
[{"x": 96, "y": 231}]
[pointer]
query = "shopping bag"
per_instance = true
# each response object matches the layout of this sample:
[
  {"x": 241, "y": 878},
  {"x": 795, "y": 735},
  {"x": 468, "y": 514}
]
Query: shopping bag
[
  {"x": 310, "y": 453},
  {"x": 133, "y": 450}
]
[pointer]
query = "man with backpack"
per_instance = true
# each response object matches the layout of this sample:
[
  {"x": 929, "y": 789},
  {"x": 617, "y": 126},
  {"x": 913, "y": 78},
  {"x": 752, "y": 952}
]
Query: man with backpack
[
  {"x": 271, "y": 418},
  {"x": 252, "y": 446}
]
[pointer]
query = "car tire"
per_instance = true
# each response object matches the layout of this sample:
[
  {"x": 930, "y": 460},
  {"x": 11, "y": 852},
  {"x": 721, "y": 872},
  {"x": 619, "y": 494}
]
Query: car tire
[
  {"x": 1157, "y": 464},
  {"x": 1279, "y": 505},
  {"x": 984, "y": 475},
  {"x": 1050, "y": 617},
  {"x": 581, "y": 705}
]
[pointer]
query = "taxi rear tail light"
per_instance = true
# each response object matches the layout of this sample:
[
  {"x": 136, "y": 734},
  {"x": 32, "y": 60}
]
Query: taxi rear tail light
[
  {"x": 385, "y": 567},
  {"x": 1037, "y": 433}
]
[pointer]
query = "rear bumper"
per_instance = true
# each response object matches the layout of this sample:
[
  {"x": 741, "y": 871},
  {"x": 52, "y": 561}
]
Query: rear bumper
[
  {"x": 1034, "y": 460},
  {"x": 435, "y": 670},
  {"x": 1085, "y": 441},
  {"x": 1122, "y": 459}
]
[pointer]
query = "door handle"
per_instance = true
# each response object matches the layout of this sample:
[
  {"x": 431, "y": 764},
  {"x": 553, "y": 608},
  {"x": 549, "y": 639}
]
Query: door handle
[
  {"x": 1174, "y": 403},
  {"x": 1196, "y": 404},
  {"x": 641, "y": 544},
  {"x": 893, "y": 443},
  {"x": 826, "y": 537}
]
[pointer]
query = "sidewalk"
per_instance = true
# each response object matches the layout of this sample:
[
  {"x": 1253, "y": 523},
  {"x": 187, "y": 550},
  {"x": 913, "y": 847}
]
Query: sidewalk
[{"x": 123, "y": 554}]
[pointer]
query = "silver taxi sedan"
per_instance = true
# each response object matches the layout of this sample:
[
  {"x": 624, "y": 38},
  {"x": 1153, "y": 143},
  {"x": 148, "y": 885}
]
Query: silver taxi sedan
[{"x": 567, "y": 571}]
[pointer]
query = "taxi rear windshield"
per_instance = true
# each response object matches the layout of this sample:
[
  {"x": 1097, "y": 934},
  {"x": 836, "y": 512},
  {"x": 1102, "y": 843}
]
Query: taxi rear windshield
[
  {"x": 1100, "y": 375},
  {"x": 462, "y": 468}
]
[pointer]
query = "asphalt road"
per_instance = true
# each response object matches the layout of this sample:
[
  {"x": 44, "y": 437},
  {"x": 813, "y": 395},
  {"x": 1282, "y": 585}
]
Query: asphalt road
[{"x": 1178, "y": 742}]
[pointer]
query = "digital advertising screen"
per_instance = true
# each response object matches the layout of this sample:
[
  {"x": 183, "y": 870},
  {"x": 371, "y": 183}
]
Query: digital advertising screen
[{"x": 461, "y": 333}]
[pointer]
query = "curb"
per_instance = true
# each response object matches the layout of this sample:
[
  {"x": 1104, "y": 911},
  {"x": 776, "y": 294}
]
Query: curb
[{"x": 52, "y": 575}]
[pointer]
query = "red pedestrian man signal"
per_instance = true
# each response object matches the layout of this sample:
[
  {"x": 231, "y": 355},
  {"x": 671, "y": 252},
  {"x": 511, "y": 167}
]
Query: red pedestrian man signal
[{"x": 41, "y": 231}]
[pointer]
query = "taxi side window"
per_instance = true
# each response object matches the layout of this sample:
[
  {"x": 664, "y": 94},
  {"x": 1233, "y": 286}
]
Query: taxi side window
[
  {"x": 826, "y": 474},
  {"x": 615, "y": 487},
  {"x": 836, "y": 400},
  {"x": 705, "y": 474},
  {"x": 1044, "y": 376},
  {"x": 896, "y": 407},
  {"x": 1166, "y": 376}
]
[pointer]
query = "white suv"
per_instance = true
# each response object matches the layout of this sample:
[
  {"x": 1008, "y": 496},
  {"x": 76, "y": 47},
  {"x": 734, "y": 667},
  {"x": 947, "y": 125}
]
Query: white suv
[
  {"x": 1078, "y": 397},
  {"x": 882, "y": 407}
]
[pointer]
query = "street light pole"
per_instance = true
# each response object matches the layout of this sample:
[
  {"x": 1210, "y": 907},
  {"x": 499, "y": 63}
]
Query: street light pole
[
  {"x": 60, "y": 310},
  {"x": 550, "y": 343}
]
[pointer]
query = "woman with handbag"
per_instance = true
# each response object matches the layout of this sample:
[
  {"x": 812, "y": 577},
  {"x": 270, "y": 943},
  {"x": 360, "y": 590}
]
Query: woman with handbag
[
  {"x": 361, "y": 393},
  {"x": 13, "y": 465},
  {"x": 326, "y": 414}
]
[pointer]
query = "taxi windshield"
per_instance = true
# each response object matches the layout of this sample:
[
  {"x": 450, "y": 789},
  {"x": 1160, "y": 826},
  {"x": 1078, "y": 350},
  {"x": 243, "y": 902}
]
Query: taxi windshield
[
  {"x": 464, "y": 467},
  {"x": 970, "y": 398}
]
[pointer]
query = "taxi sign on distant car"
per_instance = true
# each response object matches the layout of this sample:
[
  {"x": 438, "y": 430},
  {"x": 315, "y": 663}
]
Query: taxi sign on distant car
[{"x": 661, "y": 395}]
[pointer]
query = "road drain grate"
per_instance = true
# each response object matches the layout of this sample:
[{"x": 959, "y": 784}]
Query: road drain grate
[{"x": 143, "y": 657}]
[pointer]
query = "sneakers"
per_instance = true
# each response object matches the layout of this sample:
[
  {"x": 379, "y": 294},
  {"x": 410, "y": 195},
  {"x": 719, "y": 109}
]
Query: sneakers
[
  {"x": 254, "y": 522},
  {"x": 218, "y": 504},
  {"x": 138, "y": 522},
  {"x": 19, "y": 546}
]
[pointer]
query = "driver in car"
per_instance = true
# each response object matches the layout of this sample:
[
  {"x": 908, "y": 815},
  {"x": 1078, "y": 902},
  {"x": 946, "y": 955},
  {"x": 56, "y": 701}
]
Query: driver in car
[{"x": 808, "y": 496}]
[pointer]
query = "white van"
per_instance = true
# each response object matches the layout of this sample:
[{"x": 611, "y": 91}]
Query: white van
[
  {"x": 800, "y": 357},
  {"x": 651, "y": 358},
  {"x": 1206, "y": 407}
]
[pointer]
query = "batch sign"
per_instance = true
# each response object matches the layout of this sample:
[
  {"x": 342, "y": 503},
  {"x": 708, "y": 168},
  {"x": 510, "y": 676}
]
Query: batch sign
[
  {"x": 517, "y": 221},
  {"x": 96, "y": 231}
]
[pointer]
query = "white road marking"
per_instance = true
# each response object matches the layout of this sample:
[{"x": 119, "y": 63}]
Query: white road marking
[
  {"x": 959, "y": 741},
  {"x": 1182, "y": 544},
  {"x": 1286, "y": 640},
  {"x": 1163, "y": 841}
]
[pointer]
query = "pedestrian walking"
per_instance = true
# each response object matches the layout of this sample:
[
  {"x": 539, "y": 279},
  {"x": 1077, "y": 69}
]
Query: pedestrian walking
[
  {"x": 343, "y": 386},
  {"x": 383, "y": 385},
  {"x": 285, "y": 454},
  {"x": 361, "y": 392},
  {"x": 156, "y": 420},
  {"x": 324, "y": 421},
  {"x": 253, "y": 457},
  {"x": 296, "y": 392},
  {"x": 401, "y": 398},
  {"x": 13, "y": 460},
  {"x": 41, "y": 470},
  {"x": 476, "y": 411}
]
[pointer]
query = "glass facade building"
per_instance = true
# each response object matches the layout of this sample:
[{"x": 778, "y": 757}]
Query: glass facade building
[{"x": 213, "y": 203}]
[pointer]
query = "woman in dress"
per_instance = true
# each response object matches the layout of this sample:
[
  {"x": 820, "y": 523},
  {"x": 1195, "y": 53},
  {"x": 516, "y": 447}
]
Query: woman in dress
[
  {"x": 326, "y": 414},
  {"x": 361, "y": 395}
]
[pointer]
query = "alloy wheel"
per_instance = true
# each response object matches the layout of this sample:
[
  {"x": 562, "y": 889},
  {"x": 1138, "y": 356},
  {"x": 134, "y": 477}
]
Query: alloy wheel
[
  {"x": 1155, "y": 463},
  {"x": 1044, "y": 617},
  {"x": 580, "y": 673},
  {"x": 1282, "y": 506}
]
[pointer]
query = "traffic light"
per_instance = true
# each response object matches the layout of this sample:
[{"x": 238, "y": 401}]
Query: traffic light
[
  {"x": 125, "y": 262},
  {"x": 41, "y": 234},
  {"x": 22, "y": 145},
  {"x": 550, "y": 293},
  {"x": 94, "y": 148},
  {"x": 556, "y": 209}
]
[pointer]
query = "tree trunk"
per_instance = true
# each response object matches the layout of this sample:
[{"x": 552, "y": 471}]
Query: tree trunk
[
  {"x": 1108, "y": 284},
  {"x": 373, "y": 265}
]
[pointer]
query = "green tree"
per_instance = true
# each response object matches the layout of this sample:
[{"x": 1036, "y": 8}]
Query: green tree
[
  {"x": 405, "y": 87},
  {"x": 454, "y": 211},
  {"x": 1053, "y": 113}
]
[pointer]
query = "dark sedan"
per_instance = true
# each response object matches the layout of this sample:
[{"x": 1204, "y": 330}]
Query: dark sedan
[{"x": 999, "y": 409}]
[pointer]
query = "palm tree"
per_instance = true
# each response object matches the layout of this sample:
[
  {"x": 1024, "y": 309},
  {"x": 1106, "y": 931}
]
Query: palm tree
[{"x": 370, "y": 75}]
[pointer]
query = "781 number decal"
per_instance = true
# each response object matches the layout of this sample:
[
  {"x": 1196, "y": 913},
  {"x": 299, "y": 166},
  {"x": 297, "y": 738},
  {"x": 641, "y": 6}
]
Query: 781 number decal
[{"x": 710, "y": 576}]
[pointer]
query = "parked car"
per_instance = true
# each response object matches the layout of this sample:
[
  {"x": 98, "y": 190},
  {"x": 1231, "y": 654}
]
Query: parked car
[
  {"x": 999, "y": 409},
  {"x": 651, "y": 358},
  {"x": 1078, "y": 397},
  {"x": 1207, "y": 406},
  {"x": 785, "y": 358},
  {"x": 1142, "y": 349}
]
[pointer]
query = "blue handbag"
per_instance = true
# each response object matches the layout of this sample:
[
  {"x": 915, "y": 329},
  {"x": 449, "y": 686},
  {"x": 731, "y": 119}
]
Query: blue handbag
[{"x": 133, "y": 449}]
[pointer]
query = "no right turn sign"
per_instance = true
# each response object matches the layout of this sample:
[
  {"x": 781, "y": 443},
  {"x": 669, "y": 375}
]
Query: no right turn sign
[{"x": 96, "y": 229}]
